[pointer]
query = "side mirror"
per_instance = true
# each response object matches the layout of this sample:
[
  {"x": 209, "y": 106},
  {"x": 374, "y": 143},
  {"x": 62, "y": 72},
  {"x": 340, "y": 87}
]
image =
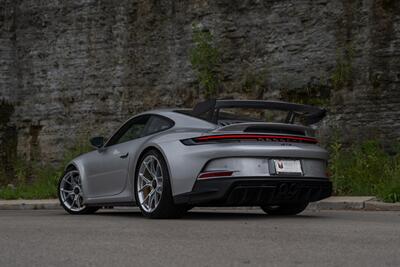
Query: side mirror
[{"x": 97, "y": 142}]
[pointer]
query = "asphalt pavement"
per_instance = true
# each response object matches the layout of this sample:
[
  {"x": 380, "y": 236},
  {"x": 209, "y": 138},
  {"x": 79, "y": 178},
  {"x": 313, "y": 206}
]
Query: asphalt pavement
[{"x": 202, "y": 238}]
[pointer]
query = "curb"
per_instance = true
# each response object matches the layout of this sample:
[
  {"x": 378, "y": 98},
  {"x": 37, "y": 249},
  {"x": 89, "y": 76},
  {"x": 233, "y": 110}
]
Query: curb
[
  {"x": 381, "y": 206},
  {"x": 22, "y": 204},
  {"x": 332, "y": 203},
  {"x": 342, "y": 203}
]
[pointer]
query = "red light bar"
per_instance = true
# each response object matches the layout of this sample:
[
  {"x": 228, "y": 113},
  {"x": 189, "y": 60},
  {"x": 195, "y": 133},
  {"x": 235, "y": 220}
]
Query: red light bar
[
  {"x": 255, "y": 136},
  {"x": 214, "y": 174}
]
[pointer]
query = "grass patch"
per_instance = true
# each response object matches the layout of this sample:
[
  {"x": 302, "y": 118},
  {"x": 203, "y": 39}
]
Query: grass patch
[
  {"x": 365, "y": 169},
  {"x": 44, "y": 186},
  {"x": 37, "y": 181}
]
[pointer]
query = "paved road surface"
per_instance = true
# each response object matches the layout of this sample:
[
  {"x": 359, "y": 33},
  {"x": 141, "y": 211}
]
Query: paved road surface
[{"x": 202, "y": 238}]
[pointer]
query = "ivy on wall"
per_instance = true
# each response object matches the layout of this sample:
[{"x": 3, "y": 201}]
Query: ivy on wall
[{"x": 205, "y": 60}]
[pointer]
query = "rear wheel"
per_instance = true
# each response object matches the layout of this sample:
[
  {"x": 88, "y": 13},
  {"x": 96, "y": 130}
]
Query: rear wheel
[
  {"x": 153, "y": 188},
  {"x": 285, "y": 209},
  {"x": 70, "y": 193}
]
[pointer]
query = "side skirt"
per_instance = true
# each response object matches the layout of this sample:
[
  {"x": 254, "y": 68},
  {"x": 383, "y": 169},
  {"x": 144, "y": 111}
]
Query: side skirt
[{"x": 113, "y": 204}]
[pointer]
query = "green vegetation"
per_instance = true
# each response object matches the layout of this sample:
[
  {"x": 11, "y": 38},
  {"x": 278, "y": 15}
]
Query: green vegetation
[
  {"x": 44, "y": 185},
  {"x": 205, "y": 59},
  {"x": 342, "y": 75},
  {"x": 37, "y": 181},
  {"x": 253, "y": 81},
  {"x": 366, "y": 169}
]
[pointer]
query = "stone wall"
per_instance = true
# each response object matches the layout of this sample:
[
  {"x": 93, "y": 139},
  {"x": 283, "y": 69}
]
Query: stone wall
[{"x": 76, "y": 68}]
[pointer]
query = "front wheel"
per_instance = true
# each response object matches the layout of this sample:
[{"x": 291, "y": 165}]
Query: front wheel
[
  {"x": 285, "y": 209},
  {"x": 70, "y": 193},
  {"x": 153, "y": 188}
]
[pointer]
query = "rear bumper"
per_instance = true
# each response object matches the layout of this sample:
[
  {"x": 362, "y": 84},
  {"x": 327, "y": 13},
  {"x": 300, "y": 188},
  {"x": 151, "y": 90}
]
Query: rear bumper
[
  {"x": 185, "y": 163},
  {"x": 255, "y": 191}
]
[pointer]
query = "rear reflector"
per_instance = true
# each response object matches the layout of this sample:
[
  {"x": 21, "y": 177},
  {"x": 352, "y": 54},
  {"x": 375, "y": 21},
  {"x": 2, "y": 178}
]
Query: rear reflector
[
  {"x": 214, "y": 174},
  {"x": 256, "y": 137}
]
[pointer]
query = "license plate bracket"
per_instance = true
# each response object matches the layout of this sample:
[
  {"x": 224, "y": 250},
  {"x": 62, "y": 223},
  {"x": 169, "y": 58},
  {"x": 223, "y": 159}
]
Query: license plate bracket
[{"x": 287, "y": 166}]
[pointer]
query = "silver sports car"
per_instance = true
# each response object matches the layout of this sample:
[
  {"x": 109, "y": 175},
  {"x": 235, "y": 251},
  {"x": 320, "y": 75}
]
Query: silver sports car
[{"x": 220, "y": 153}]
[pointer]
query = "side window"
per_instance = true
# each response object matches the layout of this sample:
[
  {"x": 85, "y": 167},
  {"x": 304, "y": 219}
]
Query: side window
[
  {"x": 157, "y": 124},
  {"x": 131, "y": 130}
]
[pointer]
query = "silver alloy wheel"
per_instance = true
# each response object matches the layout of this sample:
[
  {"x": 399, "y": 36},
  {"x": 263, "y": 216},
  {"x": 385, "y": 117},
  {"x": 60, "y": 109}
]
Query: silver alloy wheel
[
  {"x": 71, "y": 191},
  {"x": 149, "y": 183}
]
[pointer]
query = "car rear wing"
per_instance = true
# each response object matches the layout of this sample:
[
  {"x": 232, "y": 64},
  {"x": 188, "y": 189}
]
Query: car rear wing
[{"x": 210, "y": 109}]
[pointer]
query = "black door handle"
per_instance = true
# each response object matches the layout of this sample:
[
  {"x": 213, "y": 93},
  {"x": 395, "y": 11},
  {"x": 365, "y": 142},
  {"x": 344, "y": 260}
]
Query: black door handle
[{"x": 124, "y": 156}]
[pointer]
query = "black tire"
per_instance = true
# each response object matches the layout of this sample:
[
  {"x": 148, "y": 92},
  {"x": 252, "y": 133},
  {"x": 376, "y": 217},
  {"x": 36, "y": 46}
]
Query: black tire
[
  {"x": 285, "y": 209},
  {"x": 166, "y": 208},
  {"x": 86, "y": 210}
]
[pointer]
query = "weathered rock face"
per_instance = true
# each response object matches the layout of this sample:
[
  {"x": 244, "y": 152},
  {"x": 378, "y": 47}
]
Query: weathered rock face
[{"x": 78, "y": 68}]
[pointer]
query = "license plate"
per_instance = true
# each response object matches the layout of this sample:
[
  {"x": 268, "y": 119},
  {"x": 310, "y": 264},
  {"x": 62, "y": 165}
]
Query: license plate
[{"x": 287, "y": 166}]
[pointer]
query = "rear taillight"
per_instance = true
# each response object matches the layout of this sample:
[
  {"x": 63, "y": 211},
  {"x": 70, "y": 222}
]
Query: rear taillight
[{"x": 248, "y": 137}]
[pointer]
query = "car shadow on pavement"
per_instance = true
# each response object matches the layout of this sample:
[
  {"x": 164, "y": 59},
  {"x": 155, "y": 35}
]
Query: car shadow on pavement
[
  {"x": 214, "y": 215},
  {"x": 218, "y": 215}
]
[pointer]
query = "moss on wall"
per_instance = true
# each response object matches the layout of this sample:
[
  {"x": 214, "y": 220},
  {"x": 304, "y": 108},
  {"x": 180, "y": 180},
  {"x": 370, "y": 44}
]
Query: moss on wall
[
  {"x": 8, "y": 143},
  {"x": 312, "y": 94}
]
